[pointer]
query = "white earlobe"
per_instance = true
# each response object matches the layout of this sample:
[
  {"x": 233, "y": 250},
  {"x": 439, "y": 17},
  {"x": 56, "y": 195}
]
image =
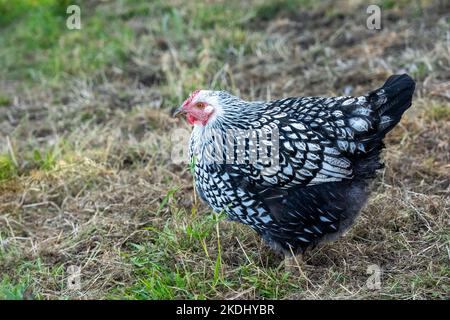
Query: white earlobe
[{"x": 209, "y": 109}]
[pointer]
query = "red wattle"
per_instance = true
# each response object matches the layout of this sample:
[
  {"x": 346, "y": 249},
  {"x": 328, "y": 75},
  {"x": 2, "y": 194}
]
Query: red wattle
[{"x": 191, "y": 119}]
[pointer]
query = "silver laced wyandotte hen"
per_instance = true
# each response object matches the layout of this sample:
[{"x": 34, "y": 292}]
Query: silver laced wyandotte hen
[{"x": 322, "y": 151}]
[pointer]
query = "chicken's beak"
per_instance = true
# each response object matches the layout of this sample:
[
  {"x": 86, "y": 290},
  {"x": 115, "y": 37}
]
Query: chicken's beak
[{"x": 178, "y": 112}]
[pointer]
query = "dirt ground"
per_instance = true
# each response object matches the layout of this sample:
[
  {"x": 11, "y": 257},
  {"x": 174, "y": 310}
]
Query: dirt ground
[{"x": 86, "y": 175}]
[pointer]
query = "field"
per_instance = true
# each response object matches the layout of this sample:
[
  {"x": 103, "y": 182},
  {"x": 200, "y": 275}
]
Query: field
[{"x": 87, "y": 181}]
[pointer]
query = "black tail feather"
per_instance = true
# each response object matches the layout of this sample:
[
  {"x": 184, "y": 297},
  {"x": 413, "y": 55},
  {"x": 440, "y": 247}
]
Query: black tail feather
[{"x": 392, "y": 100}]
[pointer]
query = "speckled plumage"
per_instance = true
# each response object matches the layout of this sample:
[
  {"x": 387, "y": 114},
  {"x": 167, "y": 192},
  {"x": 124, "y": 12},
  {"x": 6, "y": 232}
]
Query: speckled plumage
[{"x": 327, "y": 150}]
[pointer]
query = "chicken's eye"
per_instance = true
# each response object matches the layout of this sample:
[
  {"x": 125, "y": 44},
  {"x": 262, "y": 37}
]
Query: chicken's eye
[{"x": 200, "y": 105}]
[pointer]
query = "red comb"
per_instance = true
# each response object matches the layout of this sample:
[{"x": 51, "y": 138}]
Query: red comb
[{"x": 191, "y": 97}]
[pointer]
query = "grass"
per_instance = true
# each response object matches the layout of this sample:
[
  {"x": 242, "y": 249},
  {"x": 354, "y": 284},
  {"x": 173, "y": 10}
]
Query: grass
[
  {"x": 41, "y": 47},
  {"x": 4, "y": 100},
  {"x": 8, "y": 168},
  {"x": 271, "y": 9},
  {"x": 163, "y": 275},
  {"x": 438, "y": 112},
  {"x": 12, "y": 291},
  {"x": 86, "y": 176}
]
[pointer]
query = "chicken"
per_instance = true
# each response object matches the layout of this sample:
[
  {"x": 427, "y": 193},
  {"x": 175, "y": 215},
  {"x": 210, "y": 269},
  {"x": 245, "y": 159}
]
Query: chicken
[{"x": 296, "y": 170}]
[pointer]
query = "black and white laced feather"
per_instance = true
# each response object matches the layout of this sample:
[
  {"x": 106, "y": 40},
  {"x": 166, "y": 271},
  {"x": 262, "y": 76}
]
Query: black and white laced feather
[{"x": 328, "y": 150}]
